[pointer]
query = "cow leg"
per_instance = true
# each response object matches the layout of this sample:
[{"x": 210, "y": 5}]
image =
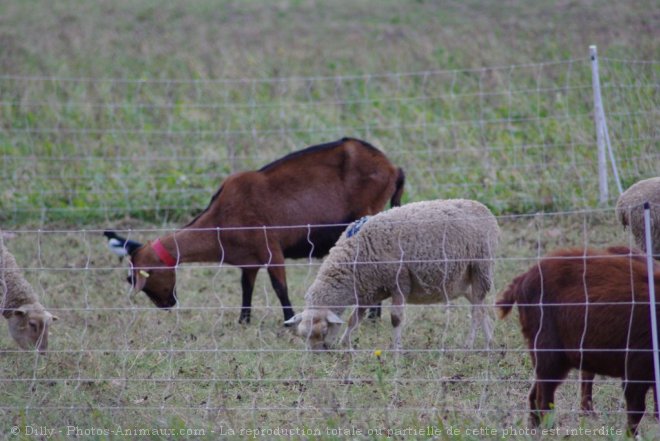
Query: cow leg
[{"x": 248, "y": 276}]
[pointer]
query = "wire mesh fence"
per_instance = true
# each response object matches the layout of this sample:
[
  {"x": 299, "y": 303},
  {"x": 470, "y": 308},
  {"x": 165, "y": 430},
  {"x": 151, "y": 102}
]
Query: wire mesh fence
[
  {"x": 521, "y": 138},
  {"x": 82, "y": 154}
]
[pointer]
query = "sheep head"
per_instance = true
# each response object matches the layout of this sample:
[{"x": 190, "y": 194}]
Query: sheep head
[
  {"x": 150, "y": 275},
  {"x": 28, "y": 326},
  {"x": 318, "y": 327}
]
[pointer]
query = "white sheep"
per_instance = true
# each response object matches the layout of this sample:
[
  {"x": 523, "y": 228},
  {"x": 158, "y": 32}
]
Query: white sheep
[
  {"x": 630, "y": 212},
  {"x": 420, "y": 253},
  {"x": 28, "y": 320}
]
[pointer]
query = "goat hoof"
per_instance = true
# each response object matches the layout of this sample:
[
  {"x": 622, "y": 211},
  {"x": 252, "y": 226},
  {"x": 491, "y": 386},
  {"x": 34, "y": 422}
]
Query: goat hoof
[
  {"x": 244, "y": 320},
  {"x": 288, "y": 315},
  {"x": 373, "y": 313}
]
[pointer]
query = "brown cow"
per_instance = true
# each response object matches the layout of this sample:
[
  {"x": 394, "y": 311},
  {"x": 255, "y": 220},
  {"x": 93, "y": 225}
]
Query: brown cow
[{"x": 294, "y": 207}]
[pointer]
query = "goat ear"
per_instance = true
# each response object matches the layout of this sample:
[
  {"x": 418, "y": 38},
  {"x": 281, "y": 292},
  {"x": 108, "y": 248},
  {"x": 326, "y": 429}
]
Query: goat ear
[
  {"x": 136, "y": 279},
  {"x": 294, "y": 320},
  {"x": 334, "y": 318},
  {"x": 140, "y": 281}
]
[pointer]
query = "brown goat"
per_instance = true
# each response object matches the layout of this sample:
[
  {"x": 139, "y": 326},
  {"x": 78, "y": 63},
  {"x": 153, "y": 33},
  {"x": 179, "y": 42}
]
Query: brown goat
[
  {"x": 576, "y": 310},
  {"x": 330, "y": 184}
]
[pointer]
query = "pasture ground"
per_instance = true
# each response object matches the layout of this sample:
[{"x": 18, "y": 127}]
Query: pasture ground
[{"x": 119, "y": 362}]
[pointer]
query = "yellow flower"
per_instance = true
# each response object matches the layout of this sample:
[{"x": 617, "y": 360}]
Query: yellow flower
[{"x": 378, "y": 353}]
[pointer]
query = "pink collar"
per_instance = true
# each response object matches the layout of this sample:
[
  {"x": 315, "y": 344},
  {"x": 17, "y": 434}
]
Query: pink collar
[{"x": 163, "y": 254}]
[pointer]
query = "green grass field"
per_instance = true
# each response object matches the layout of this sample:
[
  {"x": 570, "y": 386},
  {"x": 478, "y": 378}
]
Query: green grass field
[{"x": 128, "y": 115}]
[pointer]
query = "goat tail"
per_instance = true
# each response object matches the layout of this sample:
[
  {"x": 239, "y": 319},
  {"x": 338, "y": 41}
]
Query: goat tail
[
  {"x": 507, "y": 298},
  {"x": 398, "y": 189}
]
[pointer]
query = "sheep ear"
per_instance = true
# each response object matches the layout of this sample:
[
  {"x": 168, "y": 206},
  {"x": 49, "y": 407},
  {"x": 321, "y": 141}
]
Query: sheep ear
[
  {"x": 294, "y": 320},
  {"x": 334, "y": 318},
  {"x": 21, "y": 310}
]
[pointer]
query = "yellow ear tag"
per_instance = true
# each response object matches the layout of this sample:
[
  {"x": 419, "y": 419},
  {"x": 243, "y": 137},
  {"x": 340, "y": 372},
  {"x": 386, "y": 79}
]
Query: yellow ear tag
[{"x": 144, "y": 274}]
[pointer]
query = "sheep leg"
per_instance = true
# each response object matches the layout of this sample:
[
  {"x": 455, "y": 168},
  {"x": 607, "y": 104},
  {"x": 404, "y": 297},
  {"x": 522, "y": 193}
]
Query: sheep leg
[
  {"x": 534, "y": 417},
  {"x": 542, "y": 398},
  {"x": 635, "y": 394},
  {"x": 396, "y": 316},
  {"x": 480, "y": 283},
  {"x": 551, "y": 368},
  {"x": 479, "y": 316},
  {"x": 586, "y": 391},
  {"x": 278, "y": 280},
  {"x": 353, "y": 322},
  {"x": 547, "y": 388},
  {"x": 248, "y": 276}
]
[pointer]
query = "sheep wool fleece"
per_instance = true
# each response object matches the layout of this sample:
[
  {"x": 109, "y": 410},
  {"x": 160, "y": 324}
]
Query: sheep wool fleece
[
  {"x": 630, "y": 212},
  {"x": 15, "y": 291},
  {"x": 427, "y": 250}
]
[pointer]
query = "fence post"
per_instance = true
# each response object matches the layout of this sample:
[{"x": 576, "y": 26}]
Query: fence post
[
  {"x": 599, "y": 117},
  {"x": 602, "y": 134},
  {"x": 654, "y": 319}
]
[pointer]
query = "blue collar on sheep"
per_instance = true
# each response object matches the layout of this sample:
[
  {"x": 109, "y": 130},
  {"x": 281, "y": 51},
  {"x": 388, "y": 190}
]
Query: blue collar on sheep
[{"x": 354, "y": 228}]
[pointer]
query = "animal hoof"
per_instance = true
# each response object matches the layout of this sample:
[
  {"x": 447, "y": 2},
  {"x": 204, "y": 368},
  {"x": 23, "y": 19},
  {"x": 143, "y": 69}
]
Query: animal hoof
[
  {"x": 288, "y": 315},
  {"x": 587, "y": 411},
  {"x": 374, "y": 313},
  {"x": 244, "y": 320}
]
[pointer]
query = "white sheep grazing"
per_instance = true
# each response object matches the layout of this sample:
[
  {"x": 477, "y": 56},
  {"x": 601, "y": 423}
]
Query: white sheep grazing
[
  {"x": 420, "y": 253},
  {"x": 28, "y": 320},
  {"x": 630, "y": 212}
]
